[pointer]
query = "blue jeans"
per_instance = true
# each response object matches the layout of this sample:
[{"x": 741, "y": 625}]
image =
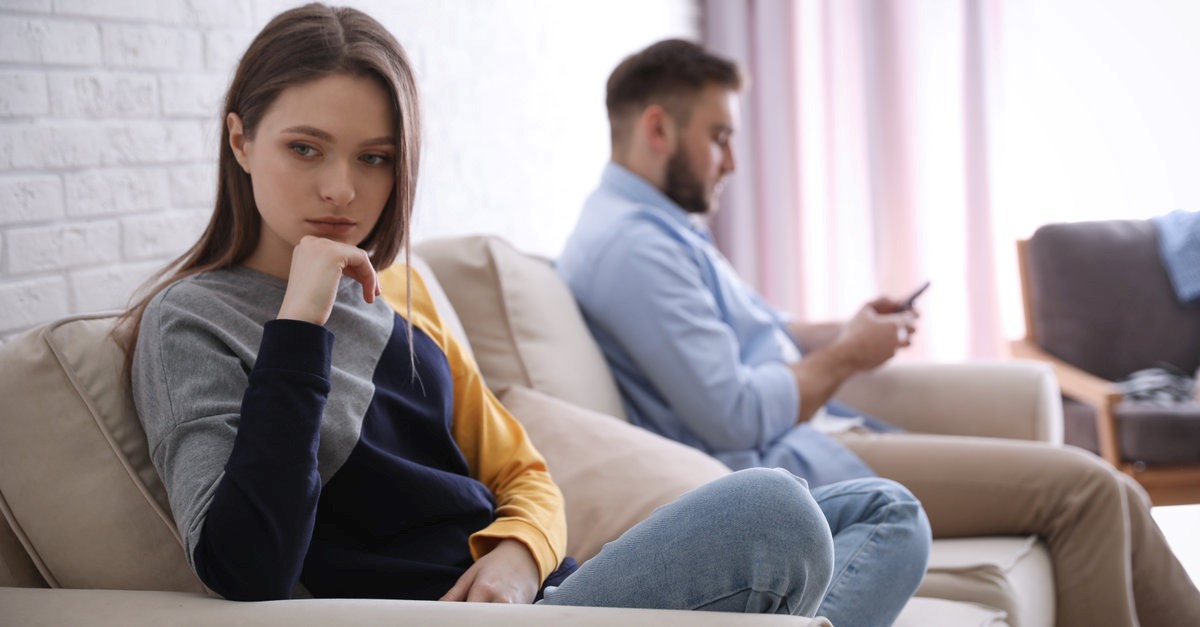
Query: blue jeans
[
  {"x": 754, "y": 541},
  {"x": 881, "y": 541}
]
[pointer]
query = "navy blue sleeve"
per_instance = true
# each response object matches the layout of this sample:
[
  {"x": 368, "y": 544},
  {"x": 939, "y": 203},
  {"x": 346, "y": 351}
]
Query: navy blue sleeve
[{"x": 260, "y": 522}]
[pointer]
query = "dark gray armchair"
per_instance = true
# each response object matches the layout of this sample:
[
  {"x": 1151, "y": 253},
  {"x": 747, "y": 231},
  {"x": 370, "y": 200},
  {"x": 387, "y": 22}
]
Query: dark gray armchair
[{"x": 1099, "y": 306}]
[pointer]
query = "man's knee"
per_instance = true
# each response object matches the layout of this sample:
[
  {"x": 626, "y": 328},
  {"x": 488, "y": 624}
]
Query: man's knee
[{"x": 1087, "y": 473}]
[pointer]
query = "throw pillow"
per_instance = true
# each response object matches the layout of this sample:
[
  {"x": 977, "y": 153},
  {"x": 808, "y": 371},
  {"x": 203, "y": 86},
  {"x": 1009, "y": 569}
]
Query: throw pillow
[
  {"x": 612, "y": 474},
  {"x": 75, "y": 474},
  {"x": 522, "y": 322}
]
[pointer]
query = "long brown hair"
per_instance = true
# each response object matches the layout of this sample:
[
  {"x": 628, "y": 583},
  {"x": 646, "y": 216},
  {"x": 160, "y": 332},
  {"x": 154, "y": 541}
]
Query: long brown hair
[{"x": 297, "y": 46}]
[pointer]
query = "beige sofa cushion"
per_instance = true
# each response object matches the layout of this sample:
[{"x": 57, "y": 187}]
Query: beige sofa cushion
[
  {"x": 522, "y": 321},
  {"x": 75, "y": 474},
  {"x": 925, "y": 612},
  {"x": 16, "y": 569},
  {"x": 1010, "y": 573},
  {"x": 442, "y": 302},
  {"x": 108, "y": 608},
  {"x": 612, "y": 474}
]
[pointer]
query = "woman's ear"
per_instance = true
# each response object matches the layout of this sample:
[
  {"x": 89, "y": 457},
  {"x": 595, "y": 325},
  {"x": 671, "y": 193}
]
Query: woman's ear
[{"x": 237, "y": 140}]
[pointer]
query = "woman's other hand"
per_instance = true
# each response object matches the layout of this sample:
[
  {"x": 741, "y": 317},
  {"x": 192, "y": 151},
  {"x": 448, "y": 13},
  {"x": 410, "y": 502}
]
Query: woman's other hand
[{"x": 507, "y": 574}]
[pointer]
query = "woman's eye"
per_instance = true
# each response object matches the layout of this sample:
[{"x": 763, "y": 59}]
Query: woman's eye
[
  {"x": 375, "y": 159},
  {"x": 304, "y": 150}
]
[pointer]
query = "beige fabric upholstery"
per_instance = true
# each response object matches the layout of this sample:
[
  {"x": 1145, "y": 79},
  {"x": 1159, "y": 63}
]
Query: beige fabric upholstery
[
  {"x": 111, "y": 608},
  {"x": 1011, "y": 574},
  {"x": 442, "y": 302},
  {"x": 522, "y": 322},
  {"x": 923, "y": 612},
  {"x": 16, "y": 569},
  {"x": 69, "y": 416},
  {"x": 599, "y": 461},
  {"x": 1003, "y": 399}
]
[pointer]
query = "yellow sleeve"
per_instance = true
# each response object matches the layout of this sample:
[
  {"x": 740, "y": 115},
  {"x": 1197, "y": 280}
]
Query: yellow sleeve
[{"x": 529, "y": 506}]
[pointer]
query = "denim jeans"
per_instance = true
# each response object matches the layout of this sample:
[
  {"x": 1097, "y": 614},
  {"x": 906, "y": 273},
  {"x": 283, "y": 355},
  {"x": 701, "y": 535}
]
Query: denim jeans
[
  {"x": 881, "y": 540},
  {"x": 754, "y": 541}
]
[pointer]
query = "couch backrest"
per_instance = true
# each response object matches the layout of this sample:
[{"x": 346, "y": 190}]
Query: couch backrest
[
  {"x": 522, "y": 321},
  {"x": 1101, "y": 300}
]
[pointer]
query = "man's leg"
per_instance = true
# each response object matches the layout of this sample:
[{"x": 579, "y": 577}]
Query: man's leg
[
  {"x": 1162, "y": 590},
  {"x": 881, "y": 546},
  {"x": 754, "y": 541},
  {"x": 1078, "y": 504}
]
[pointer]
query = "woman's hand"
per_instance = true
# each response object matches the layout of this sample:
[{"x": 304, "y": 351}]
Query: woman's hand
[
  {"x": 317, "y": 266},
  {"x": 507, "y": 574}
]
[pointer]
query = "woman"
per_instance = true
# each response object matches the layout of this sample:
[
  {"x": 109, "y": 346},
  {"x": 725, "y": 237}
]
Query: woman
[{"x": 377, "y": 464}]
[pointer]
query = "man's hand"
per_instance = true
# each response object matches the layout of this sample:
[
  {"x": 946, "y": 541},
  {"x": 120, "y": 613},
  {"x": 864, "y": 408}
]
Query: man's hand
[
  {"x": 864, "y": 342},
  {"x": 871, "y": 338},
  {"x": 507, "y": 574}
]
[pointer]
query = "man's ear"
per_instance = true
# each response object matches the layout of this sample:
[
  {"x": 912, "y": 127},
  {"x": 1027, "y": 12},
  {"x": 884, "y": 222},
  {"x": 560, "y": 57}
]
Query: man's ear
[
  {"x": 237, "y": 140},
  {"x": 658, "y": 127}
]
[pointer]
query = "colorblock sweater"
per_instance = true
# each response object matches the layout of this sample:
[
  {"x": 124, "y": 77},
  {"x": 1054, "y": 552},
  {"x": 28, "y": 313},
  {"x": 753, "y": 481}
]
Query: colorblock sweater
[{"x": 300, "y": 457}]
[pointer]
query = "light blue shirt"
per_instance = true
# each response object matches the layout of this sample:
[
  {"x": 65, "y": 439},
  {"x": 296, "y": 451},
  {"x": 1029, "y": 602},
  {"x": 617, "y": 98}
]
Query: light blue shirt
[{"x": 698, "y": 355}]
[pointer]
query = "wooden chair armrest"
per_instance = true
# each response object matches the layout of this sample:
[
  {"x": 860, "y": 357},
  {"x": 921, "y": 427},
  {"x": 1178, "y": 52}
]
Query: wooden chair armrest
[
  {"x": 1087, "y": 388},
  {"x": 1075, "y": 383}
]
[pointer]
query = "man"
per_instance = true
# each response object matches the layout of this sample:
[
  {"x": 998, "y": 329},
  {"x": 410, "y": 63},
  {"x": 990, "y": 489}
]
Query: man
[{"x": 701, "y": 358}]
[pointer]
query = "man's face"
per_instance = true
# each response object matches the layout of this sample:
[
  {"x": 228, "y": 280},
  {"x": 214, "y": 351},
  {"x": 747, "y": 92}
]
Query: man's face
[{"x": 703, "y": 156}]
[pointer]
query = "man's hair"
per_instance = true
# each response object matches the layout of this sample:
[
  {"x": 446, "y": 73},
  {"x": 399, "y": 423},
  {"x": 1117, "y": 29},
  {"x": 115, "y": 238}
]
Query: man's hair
[{"x": 669, "y": 73}]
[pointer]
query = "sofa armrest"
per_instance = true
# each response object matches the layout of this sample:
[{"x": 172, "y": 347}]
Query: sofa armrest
[
  {"x": 1015, "y": 399},
  {"x": 104, "y": 608}
]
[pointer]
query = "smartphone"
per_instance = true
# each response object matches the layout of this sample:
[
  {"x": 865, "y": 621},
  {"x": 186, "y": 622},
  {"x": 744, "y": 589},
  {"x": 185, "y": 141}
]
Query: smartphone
[{"x": 908, "y": 303}]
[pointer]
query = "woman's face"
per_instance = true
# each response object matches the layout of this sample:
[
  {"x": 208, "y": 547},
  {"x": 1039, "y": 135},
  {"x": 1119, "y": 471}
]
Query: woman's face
[{"x": 322, "y": 162}]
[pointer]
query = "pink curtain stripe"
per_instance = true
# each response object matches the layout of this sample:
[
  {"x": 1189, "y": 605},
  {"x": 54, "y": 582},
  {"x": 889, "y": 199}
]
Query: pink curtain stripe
[
  {"x": 863, "y": 159},
  {"x": 981, "y": 40}
]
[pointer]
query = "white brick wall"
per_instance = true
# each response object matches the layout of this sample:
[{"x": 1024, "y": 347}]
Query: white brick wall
[{"x": 109, "y": 125}]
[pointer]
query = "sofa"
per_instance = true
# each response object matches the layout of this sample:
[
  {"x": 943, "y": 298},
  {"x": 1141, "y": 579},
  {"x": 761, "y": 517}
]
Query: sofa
[{"x": 87, "y": 536}]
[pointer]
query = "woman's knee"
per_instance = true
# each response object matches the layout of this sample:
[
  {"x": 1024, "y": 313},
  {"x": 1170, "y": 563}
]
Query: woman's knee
[
  {"x": 773, "y": 496},
  {"x": 785, "y": 519}
]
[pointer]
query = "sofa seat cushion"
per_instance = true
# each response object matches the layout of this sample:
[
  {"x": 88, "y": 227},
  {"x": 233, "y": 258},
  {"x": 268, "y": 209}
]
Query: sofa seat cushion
[
  {"x": 612, "y": 474},
  {"x": 77, "y": 484},
  {"x": 926, "y": 612},
  {"x": 1150, "y": 433},
  {"x": 1012, "y": 574},
  {"x": 119, "y": 608},
  {"x": 522, "y": 321}
]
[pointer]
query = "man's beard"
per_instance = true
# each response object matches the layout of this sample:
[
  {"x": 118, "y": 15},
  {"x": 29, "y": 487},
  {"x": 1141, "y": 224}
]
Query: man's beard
[{"x": 683, "y": 187}]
